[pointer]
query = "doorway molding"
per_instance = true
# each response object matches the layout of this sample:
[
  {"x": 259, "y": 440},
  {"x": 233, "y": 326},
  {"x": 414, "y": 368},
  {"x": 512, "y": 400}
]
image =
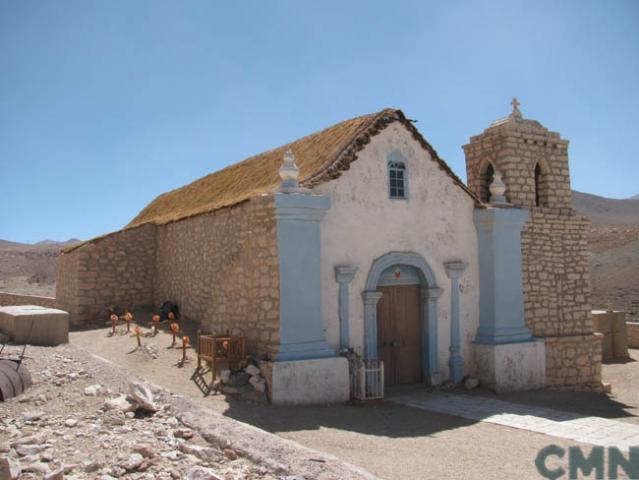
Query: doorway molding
[{"x": 430, "y": 293}]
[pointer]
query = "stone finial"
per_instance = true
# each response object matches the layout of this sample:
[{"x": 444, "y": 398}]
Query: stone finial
[
  {"x": 497, "y": 189},
  {"x": 289, "y": 173},
  {"x": 516, "y": 112}
]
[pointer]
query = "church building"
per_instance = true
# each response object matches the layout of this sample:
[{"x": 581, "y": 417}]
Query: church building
[{"x": 360, "y": 238}]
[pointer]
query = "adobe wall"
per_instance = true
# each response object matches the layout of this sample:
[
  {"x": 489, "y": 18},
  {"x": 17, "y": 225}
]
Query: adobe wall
[
  {"x": 222, "y": 269},
  {"x": 363, "y": 224},
  {"x": 113, "y": 270},
  {"x": 10, "y": 299}
]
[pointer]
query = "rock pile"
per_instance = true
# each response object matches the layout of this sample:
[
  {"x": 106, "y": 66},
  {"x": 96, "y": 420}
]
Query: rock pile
[
  {"x": 248, "y": 383},
  {"x": 68, "y": 426}
]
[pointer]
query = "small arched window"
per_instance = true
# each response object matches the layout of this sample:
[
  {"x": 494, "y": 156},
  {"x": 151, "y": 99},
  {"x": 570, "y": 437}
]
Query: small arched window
[
  {"x": 537, "y": 185},
  {"x": 397, "y": 179},
  {"x": 486, "y": 178},
  {"x": 541, "y": 185}
]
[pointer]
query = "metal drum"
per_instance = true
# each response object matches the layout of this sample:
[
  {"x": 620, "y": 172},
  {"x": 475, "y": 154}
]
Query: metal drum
[{"x": 14, "y": 379}]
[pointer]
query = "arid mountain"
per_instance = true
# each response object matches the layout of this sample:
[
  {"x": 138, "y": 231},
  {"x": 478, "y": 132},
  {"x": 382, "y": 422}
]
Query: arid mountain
[
  {"x": 607, "y": 211},
  {"x": 613, "y": 242},
  {"x": 30, "y": 269}
]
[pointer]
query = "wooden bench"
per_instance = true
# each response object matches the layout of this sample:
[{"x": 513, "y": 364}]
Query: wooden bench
[{"x": 214, "y": 349}]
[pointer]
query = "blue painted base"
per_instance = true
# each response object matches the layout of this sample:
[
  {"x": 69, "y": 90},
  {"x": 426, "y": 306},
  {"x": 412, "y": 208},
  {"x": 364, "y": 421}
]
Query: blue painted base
[
  {"x": 498, "y": 336},
  {"x": 304, "y": 351}
]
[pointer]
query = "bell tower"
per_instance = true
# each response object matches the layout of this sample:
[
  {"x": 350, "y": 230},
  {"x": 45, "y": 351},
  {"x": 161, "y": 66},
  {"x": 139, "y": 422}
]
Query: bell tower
[
  {"x": 517, "y": 164},
  {"x": 532, "y": 161}
]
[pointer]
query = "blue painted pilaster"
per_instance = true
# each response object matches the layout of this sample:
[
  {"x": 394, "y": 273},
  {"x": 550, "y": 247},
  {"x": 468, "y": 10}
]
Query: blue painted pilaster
[
  {"x": 501, "y": 299},
  {"x": 298, "y": 233},
  {"x": 429, "y": 297},
  {"x": 371, "y": 298},
  {"x": 455, "y": 270},
  {"x": 344, "y": 275}
]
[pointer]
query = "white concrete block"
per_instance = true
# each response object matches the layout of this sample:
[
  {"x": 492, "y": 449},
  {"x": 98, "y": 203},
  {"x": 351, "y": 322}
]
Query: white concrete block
[
  {"x": 512, "y": 367},
  {"x": 322, "y": 380},
  {"x": 35, "y": 325}
]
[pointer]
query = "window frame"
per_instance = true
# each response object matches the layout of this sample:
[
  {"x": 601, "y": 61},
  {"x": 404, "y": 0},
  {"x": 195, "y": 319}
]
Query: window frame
[{"x": 397, "y": 172}]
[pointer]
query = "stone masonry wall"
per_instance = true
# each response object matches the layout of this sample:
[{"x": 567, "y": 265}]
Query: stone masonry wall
[
  {"x": 556, "y": 281},
  {"x": 556, "y": 275},
  {"x": 555, "y": 270},
  {"x": 8, "y": 299},
  {"x": 222, "y": 269},
  {"x": 114, "y": 270},
  {"x": 515, "y": 147},
  {"x": 574, "y": 362}
]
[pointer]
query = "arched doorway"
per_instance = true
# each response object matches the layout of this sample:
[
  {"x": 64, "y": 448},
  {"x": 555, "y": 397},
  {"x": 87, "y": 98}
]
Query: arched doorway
[{"x": 400, "y": 324}]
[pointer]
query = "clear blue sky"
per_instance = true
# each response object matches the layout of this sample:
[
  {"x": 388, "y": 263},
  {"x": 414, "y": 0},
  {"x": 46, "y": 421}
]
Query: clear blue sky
[{"x": 106, "y": 104}]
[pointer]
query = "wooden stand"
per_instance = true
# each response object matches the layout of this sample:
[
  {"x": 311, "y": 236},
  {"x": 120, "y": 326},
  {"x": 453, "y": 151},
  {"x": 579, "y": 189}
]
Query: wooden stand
[{"x": 213, "y": 349}]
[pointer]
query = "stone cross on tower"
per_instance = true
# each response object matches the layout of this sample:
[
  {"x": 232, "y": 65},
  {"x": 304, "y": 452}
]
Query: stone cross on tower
[{"x": 515, "y": 103}]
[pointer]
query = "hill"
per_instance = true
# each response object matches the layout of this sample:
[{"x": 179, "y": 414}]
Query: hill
[
  {"x": 30, "y": 268},
  {"x": 613, "y": 242},
  {"x": 607, "y": 211}
]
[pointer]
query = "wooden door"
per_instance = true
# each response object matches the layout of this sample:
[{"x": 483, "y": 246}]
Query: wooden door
[{"x": 399, "y": 333}]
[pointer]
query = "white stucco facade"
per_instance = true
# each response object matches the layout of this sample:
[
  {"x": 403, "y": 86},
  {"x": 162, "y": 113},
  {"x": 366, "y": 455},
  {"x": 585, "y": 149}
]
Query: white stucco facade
[{"x": 363, "y": 223}]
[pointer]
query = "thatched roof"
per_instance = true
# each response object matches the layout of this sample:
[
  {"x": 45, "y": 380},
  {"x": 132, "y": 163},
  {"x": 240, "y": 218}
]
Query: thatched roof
[{"x": 320, "y": 157}]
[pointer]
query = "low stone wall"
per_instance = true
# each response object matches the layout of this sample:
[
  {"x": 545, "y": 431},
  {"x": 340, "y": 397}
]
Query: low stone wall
[
  {"x": 574, "y": 362},
  {"x": 633, "y": 334},
  {"x": 114, "y": 270},
  {"x": 10, "y": 299}
]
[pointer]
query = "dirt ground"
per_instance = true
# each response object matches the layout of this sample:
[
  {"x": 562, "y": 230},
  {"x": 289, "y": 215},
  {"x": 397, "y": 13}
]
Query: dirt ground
[{"x": 387, "y": 439}]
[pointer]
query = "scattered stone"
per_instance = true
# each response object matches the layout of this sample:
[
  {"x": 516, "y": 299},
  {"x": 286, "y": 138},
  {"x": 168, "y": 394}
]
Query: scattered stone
[
  {"x": 201, "y": 473},
  {"x": 143, "y": 397},
  {"x": 225, "y": 375},
  {"x": 260, "y": 386},
  {"x": 93, "y": 390},
  {"x": 230, "y": 453},
  {"x": 203, "y": 453},
  {"x": 184, "y": 433},
  {"x": 9, "y": 468},
  {"x": 33, "y": 416},
  {"x": 38, "y": 438},
  {"x": 240, "y": 379},
  {"x": 55, "y": 475},
  {"x": 71, "y": 422},
  {"x": 120, "y": 404},
  {"x": 145, "y": 449},
  {"x": 25, "y": 450},
  {"x": 471, "y": 383},
  {"x": 47, "y": 456},
  {"x": 252, "y": 370},
  {"x": 133, "y": 462},
  {"x": 37, "y": 467},
  {"x": 4, "y": 447}
]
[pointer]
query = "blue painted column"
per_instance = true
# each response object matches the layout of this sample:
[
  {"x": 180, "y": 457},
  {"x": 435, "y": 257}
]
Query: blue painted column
[
  {"x": 344, "y": 275},
  {"x": 429, "y": 297},
  {"x": 455, "y": 270},
  {"x": 298, "y": 217},
  {"x": 501, "y": 299},
  {"x": 371, "y": 298}
]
